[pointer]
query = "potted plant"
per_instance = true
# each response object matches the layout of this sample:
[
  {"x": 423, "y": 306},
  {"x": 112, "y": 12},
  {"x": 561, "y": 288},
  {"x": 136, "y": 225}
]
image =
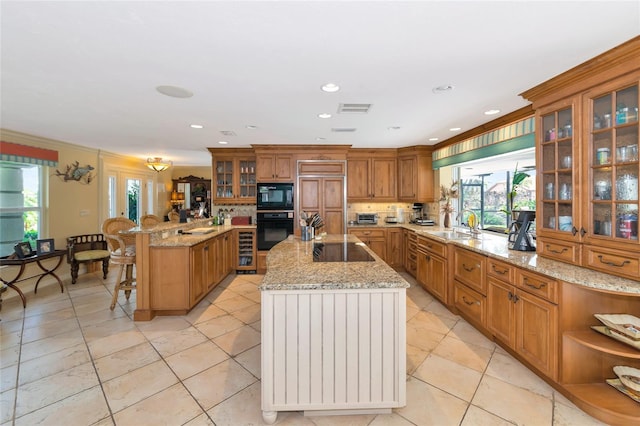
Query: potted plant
[
  {"x": 516, "y": 182},
  {"x": 446, "y": 195}
]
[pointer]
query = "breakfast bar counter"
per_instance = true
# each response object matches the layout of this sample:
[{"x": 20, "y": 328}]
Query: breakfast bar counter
[{"x": 333, "y": 329}]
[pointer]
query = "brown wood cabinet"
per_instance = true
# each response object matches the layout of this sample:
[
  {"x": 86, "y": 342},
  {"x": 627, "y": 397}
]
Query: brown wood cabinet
[
  {"x": 411, "y": 252},
  {"x": 371, "y": 175},
  {"x": 374, "y": 238},
  {"x": 395, "y": 247},
  {"x": 234, "y": 176},
  {"x": 415, "y": 174},
  {"x": 432, "y": 267},
  {"x": 275, "y": 167},
  {"x": 587, "y": 137},
  {"x": 325, "y": 196},
  {"x": 520, "y": 313}
]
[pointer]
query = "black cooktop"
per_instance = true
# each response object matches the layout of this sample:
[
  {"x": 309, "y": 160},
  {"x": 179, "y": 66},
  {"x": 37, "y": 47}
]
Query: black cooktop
[{"x": 340, "y": 252}]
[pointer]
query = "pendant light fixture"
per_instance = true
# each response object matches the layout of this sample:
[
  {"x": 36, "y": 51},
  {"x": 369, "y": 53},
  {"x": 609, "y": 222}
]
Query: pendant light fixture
[{"x": 157, "y": 164}]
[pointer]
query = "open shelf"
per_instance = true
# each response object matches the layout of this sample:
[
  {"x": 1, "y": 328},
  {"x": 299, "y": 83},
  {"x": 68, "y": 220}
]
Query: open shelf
[
  {"x": 609, "y": 404},
  {"x": 602, "y": 343}
]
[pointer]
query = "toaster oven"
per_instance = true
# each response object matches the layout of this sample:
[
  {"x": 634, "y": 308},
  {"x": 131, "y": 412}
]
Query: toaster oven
[{"x": 366, "y": 218}]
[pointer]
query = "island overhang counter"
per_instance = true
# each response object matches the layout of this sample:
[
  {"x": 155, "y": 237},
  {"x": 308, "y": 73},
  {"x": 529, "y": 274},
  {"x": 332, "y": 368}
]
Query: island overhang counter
[{"x": 333, "y": 332}]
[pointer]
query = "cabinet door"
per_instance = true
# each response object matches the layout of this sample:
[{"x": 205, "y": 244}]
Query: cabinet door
[
  {"x": 383, "y": 179},
  {"x": 394, "y": 247},
  {"x": 501, "y": 311},
  {"x": 379, "y": 247},
  {"x": 283, "y": 165},
  {"x": 422, "y": 271},
  {"x": 199, "y": 260},
  {"x": 537, "y": 332},
  {"x": 223, "y": 179},
  {"x": 246, "y": 168},
  {"x": 229, "y": 257},
  {"x": 407, "y": 175},
  {"x": 324, "y": 196},
  {"x": 265, "y": 170},
  {"x": 559, "y": 157},
  {"x": 358, "y": 178},
  {"x": 438, "y": 279},
  {"x": 612, "y": 186}
]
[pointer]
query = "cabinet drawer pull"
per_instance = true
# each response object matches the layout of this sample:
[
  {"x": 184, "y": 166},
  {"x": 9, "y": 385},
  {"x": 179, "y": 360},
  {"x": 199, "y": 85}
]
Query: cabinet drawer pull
[
  {"x": 540, "y": 287},
  {"x": 366, "y": 232},
  {"x": 429, "y": 246},
  {"x": 469, "y": 268},
  {"x": 472, "y": 302},
  {"x": 574, "y": 231},
  {"x": 497, "y": 271},
  {"x": 513, "y": 297},
  {"x": 549, "y": 249},
  {"x": 610, "y": 263},
  {"x": 426, "y": 256}
]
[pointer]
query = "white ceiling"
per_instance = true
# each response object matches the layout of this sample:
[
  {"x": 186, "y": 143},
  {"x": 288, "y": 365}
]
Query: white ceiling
[{"x": 86, "y": 72}]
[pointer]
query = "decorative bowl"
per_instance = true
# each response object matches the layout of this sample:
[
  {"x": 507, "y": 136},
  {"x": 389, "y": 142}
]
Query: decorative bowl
[
  {"x": 629, "y": 376},
  {"x": 625, "y": 324}
]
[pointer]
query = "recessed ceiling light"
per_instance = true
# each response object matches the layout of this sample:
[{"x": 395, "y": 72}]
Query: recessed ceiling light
[
  {"x": 321, "y": 139},
  {"x": 330, "y": 88},
  {"x": 492, "y": 112},
  {"x": 174, "y": 91},
  {"x": 251, "y": 127},
  {"x": 433, "y": 139},
  {"x": 443, "y": 88},
  {"x": 223, "y": 142},
  {"x": 393, "y": 128},
  {"x": 454, "y": 129},
  {"x": 324, "y": 115},
  {"x": 196, "y": 126}
]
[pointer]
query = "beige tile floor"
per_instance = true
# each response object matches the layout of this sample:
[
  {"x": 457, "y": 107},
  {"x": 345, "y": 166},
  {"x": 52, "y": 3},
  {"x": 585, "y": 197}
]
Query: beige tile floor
[{"x": 68, "y": 360}]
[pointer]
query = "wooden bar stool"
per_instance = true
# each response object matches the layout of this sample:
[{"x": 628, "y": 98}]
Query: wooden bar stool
[{"x": 122, "y": 249}]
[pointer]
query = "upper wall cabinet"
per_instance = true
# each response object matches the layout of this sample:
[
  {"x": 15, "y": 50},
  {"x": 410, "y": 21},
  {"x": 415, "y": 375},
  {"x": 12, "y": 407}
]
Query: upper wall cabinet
[
  {"x": 371, "y": 175},
  {"x": 587, "y": 151},
  {"x": 234, "y": 176},
  {"x": 274, "y": 167},
  {"x": 415, "y": 174}
]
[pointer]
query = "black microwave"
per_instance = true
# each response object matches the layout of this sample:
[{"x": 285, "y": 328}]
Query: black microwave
[{"x": 275, "y": 196}]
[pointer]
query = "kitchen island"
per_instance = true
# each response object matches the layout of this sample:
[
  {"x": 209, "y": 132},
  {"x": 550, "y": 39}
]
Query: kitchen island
[{"x": 333, "y": 329}]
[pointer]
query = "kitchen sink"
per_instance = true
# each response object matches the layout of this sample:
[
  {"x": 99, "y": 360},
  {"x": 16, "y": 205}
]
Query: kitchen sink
[{"x": 453, "y": 235}]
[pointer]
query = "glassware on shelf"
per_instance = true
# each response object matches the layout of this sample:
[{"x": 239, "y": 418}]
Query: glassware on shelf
[{"x": 627, "y": 187}]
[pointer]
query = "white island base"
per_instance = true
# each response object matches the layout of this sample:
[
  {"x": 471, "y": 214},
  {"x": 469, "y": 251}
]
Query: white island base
[{"x": 333, "y": 351}]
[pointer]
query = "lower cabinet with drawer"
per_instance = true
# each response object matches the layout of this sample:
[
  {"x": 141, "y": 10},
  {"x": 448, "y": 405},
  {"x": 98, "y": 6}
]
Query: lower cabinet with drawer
[
  {"x": 374, "y": 238},
  {"x": 411, "y": 252},
  {"x": 432, "y": 267},
  {"x": 469, "y": 285},
  {"x": 523, "y": 314}
]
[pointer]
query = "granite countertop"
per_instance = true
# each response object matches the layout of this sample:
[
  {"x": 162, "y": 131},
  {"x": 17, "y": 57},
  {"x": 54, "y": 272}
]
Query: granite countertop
[
  {"x": 495, "y": 245},
  {"x": 168, "y": 234},
  {"x": 290, "y": 266}
]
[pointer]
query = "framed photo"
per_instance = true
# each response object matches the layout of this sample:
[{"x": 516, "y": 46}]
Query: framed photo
[
  {"x": 44, "y": 246},
  {"x": 23, "y": 250}
]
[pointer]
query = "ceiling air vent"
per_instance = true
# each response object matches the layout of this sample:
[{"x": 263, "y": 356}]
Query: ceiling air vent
[
  {"x": 343, "y": 129},
  {"x": 354, "y": 108},
  {"x": 228, "y": 132}
]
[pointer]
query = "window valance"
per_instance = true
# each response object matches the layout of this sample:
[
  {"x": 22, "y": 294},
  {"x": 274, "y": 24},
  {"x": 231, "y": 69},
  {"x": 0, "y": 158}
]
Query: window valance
[{"x": 28, "y": 154}]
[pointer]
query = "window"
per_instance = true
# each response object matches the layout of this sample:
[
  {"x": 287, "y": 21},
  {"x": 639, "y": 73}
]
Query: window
[
  {"x": 21, "y": 209},
  {"x": 484, "y": 185}
]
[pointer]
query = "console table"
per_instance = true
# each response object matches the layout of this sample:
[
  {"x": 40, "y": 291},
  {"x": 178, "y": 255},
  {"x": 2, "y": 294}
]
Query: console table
[{"x": 22, "y": 263}]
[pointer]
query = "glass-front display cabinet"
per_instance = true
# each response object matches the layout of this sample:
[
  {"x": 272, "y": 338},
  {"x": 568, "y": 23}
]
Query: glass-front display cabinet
[
  {"x": 556, "y": 138},
  {"x": 613, "y": 164},
  {"x": 234, "y": 179}
]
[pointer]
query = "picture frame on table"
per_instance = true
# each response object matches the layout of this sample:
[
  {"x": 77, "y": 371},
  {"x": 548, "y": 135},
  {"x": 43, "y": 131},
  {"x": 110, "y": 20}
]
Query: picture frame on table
[
  {"x": 45, "y": 246},
  {"x": 23, "y": 250}
]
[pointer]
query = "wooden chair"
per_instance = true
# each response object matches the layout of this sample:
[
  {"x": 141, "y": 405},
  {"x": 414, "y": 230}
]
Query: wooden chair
[
  {"x": 174, "y": 216},
  {"x": 87, "y": 249},
  {"x": 149, "y": 220},
  {"x": 122, "y": 249}
]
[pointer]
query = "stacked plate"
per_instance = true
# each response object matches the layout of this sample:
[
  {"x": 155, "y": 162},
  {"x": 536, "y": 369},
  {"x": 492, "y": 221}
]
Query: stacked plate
[
  {"x": 622, "y": 327},
  {"x": 628, "y": 381}
]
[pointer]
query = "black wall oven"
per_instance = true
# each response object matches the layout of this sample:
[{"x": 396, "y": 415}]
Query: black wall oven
[
  {"x": 273, "y": 227},
  {"x": 275, "y": 196}
]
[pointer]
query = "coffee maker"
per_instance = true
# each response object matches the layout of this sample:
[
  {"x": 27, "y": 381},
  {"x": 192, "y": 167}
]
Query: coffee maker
[
  {"x": 416, "y": 212},
  {"x": 520, "y": 236}
]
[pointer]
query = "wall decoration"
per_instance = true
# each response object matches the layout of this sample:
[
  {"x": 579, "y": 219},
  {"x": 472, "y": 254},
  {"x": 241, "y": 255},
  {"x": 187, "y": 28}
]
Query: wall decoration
[{"x": 73, "y": 172}]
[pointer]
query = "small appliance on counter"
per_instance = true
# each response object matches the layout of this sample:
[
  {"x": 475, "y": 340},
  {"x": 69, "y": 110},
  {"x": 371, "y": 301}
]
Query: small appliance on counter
[
  {"x": 520, "y": 235},
  {"x": 419, "y": 218},
  {"x": 367, "y": 218}
]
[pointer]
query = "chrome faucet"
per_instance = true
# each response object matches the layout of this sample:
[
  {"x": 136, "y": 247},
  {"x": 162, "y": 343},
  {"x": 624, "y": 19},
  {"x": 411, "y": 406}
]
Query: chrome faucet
[{"x": 472, "y": 221}]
